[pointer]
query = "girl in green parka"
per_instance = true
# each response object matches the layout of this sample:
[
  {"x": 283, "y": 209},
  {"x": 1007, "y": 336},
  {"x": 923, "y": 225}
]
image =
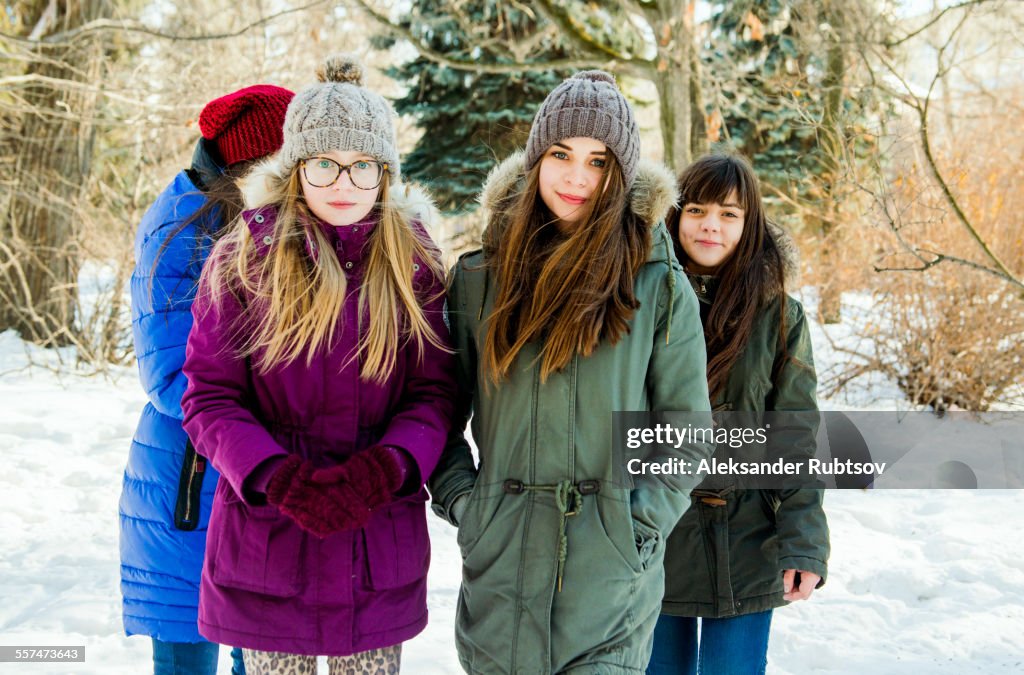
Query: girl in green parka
[
  {"x": 737, "y": 554},
  {"x": 574, "y": 308}
]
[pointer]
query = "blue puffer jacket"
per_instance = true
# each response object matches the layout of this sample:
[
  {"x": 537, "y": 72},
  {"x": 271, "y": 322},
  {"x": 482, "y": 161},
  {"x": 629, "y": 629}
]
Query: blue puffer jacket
[{"x": 168, "y": 490}]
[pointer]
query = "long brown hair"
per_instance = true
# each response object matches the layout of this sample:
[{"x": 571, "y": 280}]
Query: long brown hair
[
  {"x": 296, "y": 299},
  {"x": 749, "y": 278},
  {"x": 569, "y": 291}
]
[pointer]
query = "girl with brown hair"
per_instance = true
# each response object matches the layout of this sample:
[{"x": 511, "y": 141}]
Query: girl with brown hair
[
  {"x": 739, "y": 553},
  {"x": 573, "y": 309}
]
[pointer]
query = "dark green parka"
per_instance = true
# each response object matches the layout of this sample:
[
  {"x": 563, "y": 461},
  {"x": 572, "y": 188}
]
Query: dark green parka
[
  {"x": 541, "y": 503},
  {"x": 727, "y": 554}
]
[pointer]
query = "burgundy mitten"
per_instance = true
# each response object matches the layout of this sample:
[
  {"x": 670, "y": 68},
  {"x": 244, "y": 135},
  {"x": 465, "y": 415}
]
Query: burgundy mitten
[
  {"x": 370, "y": 478},
  {"x": 319, "y": 506},
  {"x": 376, "y": 473}
]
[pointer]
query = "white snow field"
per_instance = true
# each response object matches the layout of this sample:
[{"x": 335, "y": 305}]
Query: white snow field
[{"x": 921, "y": 581}]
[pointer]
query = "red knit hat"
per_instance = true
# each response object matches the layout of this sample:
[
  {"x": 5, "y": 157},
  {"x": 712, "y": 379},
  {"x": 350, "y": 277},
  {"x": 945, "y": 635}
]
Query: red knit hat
[{"x": 246, "y": 124}]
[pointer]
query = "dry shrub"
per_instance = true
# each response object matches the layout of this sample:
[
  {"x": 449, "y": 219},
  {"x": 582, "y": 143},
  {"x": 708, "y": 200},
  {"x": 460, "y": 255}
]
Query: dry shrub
[
  {"x": 843, "y": 259},
  {"x": 947, "y": 331},
  {"x": 946, "y": 338}
]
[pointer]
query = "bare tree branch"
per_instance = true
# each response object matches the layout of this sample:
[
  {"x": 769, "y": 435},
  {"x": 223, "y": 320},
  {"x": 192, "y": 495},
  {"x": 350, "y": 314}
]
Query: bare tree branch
[
  {"x": 921, "y": 106},
  {"x": 937, "y": 174},
  {"x": 32, "y": 78},
  {"x": 576, "y": 33},
  {"x": 122, "y": 26},
  {"x": 941, "y": 258},
  {"x": 46, "y": 21},
  {"x": 935, "y": 19}
]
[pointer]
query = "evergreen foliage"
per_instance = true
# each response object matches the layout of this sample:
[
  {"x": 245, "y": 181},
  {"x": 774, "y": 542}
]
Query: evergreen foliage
[
  {"x": 470, "y": 120},
  {"x": 765, "y": 67}
]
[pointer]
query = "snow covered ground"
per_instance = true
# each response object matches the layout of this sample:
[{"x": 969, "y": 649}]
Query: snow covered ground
[{"x": 921, "y": 581}]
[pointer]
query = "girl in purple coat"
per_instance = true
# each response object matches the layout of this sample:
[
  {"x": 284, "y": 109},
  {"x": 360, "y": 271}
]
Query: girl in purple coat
[{"x": 320, "y": 387}]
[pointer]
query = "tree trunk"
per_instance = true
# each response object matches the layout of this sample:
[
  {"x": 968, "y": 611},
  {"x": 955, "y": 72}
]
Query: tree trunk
[
  {"x": 39, "y": 259},
  {"x": 698, "y": 125},
  {"x": 832, "y": 146},
  {"x": 672, "y": 25}
]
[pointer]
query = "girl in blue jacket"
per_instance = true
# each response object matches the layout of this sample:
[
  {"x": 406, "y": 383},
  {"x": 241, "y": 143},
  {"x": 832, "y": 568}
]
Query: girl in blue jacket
[{"x": 168, "y": 489}]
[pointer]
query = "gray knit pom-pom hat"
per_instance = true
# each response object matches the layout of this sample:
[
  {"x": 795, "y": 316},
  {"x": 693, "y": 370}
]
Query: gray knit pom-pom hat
[
  {"x": 340, "y": 114},
  {"x": 588, "y": 104}
]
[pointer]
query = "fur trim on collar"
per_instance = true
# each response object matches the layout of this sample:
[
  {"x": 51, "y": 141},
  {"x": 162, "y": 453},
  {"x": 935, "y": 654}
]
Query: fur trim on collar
[
  {"x": 652, "y": 195},
  {"x": 789, "y": 253},
  {"x": 412, "y": 201}
]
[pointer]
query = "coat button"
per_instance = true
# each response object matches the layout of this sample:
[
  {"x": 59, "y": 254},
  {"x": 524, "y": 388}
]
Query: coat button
[
  {"x": 348, "y": 265},
  {"x": 355, "y": 229},
  {"x": 258, "y": 217},
  {"x": 268, "y": 240}
]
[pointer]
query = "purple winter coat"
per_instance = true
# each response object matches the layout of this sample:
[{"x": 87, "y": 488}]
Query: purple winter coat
[{"x": 266, "y": 584}]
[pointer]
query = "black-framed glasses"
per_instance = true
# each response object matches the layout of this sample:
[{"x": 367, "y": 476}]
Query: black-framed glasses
[{"x": 365, "y": 174}]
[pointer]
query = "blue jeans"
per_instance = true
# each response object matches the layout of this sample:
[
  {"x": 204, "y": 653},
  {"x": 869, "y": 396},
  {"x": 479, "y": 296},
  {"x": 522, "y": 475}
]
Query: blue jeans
[
  {"x": 192, "y": 658},
  {"x": 737, "y": 645}
]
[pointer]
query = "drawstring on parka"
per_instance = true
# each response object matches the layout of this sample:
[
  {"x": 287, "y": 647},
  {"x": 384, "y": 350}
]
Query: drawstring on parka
[
  {"x": 483, "y": 296},
  {"x": 568, "y": 500},
  {"x": 671, "y": 288}
]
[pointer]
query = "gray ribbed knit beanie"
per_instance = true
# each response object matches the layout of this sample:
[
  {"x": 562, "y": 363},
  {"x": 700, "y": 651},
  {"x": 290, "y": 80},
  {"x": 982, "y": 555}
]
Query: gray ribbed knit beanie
[
  {"x": 588, "y": 104},
  {"x": 340, "y": 114}
]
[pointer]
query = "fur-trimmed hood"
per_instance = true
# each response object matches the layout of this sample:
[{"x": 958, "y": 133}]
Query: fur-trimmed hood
[
  {"x": 651, "y": 197},
  {"x": 788, "y": 251},
  {"x": 412, "y": 201}
]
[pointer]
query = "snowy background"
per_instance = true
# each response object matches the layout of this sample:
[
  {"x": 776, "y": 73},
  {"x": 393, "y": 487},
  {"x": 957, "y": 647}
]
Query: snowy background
[{"x": 921, "y": 581}]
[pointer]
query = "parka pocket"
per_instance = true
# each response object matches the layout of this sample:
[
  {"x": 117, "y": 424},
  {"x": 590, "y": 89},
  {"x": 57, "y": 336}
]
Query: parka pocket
[
  {"x": 256, "y": 548},
  {"x": 397, "y": 544},
  {"x": 646, "y": 540},
  {"x": 477, "y": 515},
  {"x": 635, "y": 542}
]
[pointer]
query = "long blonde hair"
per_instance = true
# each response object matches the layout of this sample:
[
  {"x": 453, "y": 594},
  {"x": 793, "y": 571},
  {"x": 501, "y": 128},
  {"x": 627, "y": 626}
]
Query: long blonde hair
[{"x": 293, "y": 301}]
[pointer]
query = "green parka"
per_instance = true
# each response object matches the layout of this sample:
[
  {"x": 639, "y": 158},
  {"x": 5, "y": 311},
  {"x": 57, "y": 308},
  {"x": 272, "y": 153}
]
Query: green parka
[
  {"x": 727, "y": 554},
  {"x": 541, "y": 505}
]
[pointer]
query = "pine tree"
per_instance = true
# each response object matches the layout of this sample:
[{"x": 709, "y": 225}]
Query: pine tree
[
  {"x": 768, "y": 67},
  {"x": 470, "y": 120}
]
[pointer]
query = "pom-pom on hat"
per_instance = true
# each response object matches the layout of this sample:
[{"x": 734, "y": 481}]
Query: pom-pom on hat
[
  {"x": 340, "y": 114},
  {"x": 246, "y": 124},
  {"x": 588, "y": 104}
]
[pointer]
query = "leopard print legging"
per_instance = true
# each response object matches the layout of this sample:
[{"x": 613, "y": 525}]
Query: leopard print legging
[{"x": 384, "y": 661}]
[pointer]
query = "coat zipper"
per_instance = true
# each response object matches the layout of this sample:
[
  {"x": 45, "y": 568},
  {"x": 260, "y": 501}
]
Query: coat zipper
[
  {"x": 188, "y": 490},
  {"x": 193, "y": 469}
]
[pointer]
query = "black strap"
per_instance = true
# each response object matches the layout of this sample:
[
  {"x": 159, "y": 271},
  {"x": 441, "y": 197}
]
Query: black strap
[{"x": 190, "y": 485}]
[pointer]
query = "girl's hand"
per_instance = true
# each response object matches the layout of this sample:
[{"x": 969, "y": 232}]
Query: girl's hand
[
  {"x": 807, "y": 583},
  {"x": 319, "y": 504},
  {"x": 366, "y": 480}
]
